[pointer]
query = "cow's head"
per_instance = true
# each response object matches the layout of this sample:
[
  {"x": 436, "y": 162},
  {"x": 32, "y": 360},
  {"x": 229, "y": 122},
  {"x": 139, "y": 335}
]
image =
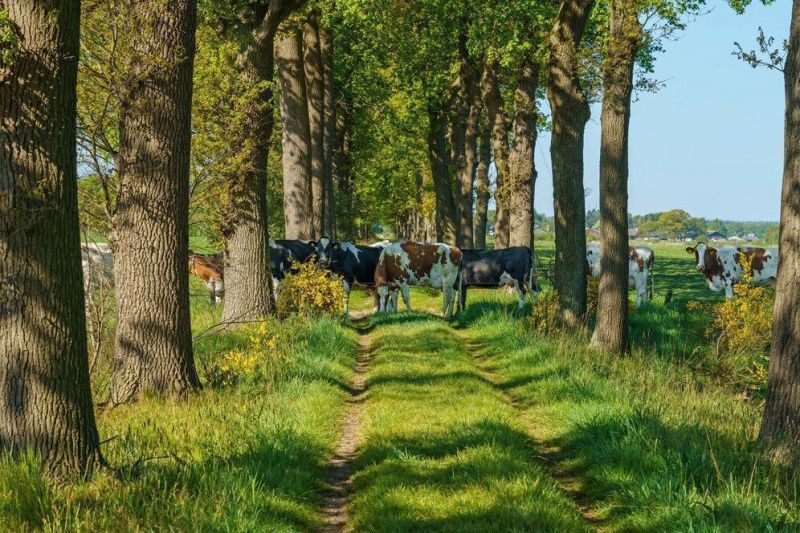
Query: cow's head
[
  {"x": 700, "y": 250},
  {"x": 593, "y": 261},
  {"x": 324, "y": 250}
]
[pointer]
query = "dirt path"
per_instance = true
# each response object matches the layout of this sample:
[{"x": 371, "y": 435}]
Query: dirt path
[
  {"x": 569, "y": 484},
  {"x": 340, "y": 467}
]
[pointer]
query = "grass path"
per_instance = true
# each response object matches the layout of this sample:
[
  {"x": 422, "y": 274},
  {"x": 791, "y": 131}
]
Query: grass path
[
  {"x": 340, "y": 466},
  {"x": 441, "y": 447}
]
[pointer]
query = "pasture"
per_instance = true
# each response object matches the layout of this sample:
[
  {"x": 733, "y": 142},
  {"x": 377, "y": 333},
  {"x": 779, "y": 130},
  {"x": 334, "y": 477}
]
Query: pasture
[{"x": 472, "y": 425}]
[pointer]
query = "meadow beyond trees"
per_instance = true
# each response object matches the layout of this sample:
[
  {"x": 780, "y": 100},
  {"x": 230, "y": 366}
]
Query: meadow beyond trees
[{"x": 200, "y": 199}]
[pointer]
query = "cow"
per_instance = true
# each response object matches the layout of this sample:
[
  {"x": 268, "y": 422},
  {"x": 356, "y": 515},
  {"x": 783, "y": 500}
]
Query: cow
[
  {"x": 97, "y": 262},
  {"x": 354, "y": 264},
  {"x": 512, "y": 267},
  {"x": 412, "y": 263},
  {"x": 722, "y": 265},
  {"x": 300, "y": 250},
  {"x": 640, "y": 268},
  {"x": 209, "y": 269}
]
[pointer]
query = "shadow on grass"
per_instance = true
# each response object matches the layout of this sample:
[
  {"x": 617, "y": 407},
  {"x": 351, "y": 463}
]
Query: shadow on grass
[
  {"x": 275, "y": 483},
  {"x": 483, "y": 456}
]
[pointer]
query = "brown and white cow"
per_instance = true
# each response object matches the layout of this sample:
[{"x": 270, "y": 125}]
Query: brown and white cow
[
  {"x": 722, "y": 265},
  {"x": 640, "y": 267},
  {"x": 413, "y": 263},
  {"x": 209, "y": 269}
]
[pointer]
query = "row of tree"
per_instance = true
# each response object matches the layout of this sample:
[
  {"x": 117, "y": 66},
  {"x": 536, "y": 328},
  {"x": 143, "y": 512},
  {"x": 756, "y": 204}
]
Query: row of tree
[{"x": 401, "y": 124}]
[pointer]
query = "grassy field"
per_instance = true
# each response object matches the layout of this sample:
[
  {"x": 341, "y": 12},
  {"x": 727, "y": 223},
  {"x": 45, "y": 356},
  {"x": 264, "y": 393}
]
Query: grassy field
[
  {"x": 248, "y": 455},
  {"x": 473, "y": 425}
]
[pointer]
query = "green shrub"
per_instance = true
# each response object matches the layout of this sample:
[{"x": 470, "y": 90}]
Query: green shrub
[{"x": 310, "y": 291}]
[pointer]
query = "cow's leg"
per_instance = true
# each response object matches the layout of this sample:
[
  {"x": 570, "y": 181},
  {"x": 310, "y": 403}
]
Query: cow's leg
[
  {"x": 641, "y": 290},
  {"x": 393, "y": 297},
  {"x": 377, "y": 302},
  {"x": 211, "y": 291},
  {"x": 729, "y": 291},
  {"x": 520, "y": 288},
  {"x": 346, "y": 287},
  {"x": 383, "y": 294},
  {"x": 405, "y": 290}
]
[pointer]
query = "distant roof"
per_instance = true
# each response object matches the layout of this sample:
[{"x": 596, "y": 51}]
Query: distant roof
[{"x": 717, "y": 234}]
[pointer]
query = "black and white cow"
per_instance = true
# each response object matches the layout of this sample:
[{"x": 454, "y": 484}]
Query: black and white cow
[
  {"x": 354, "y": 264},
  {"x": 300, "y": 250},
  {"x": 512, "y": 267}
]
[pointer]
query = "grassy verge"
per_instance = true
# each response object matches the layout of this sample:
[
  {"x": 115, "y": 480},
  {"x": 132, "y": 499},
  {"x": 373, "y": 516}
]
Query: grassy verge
[
  {"x": 247, "y": 456},
  {"x": 442, "y": 450},
  {"x": 653, "y": 447}
]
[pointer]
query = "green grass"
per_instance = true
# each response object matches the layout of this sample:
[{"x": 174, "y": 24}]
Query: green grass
[
  {"x": 245, "y": 457},
  {"x": 654, "y": 446},
  {"x": 442, "y": 449}
]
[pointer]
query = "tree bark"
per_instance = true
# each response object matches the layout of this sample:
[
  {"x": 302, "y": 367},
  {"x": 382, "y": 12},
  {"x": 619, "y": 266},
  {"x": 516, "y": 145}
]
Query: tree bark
[
  {"x": 439, "y": 156},
  {"x": 44, "y": 366},
  {"x": 470, "y": 93},
  {"x": 482, "y": 192},
  {"x": 493, "y": 102},
  {"x": 342, "y": 165},
  {"x": 522, "y": 169},
  {"x": 780, "y": 428},
  {"x": 248, "y": 280},
  {"x": 329, "y": 118},
  {"x": 153, "y": 351},
  {"x": 315, "y": 94},
  {"x": 296, "y": 133},
  {"x": 570, "y": 112},
  {"x": 625, "y": 35}
]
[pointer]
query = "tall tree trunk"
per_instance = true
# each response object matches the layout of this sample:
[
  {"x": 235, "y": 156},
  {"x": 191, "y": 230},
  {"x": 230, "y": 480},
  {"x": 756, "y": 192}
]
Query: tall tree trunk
[
  {"x": 611, "y": 330},
  {"x": 780, "y": 428},
  {"x": 44, "y": 366},
  {"x": 329, "y": 118},
  {"x": 570, "y": 112},
  {"x": 522, "y": 170},
  {"x": 455, "y": 139},
  {"x": 248, "y": 280},
  {"x": 315, "y": 94},
  {"x": 482, "y": 181},
  {"x": 470, "y": 93},
  {"x": 493, "y": 101},
  {"x": 438, "y": 154},
  {"x": 341, "y": 168},
  {"x": 296, "y": 133},
  {"x": 153, "y": 351}
]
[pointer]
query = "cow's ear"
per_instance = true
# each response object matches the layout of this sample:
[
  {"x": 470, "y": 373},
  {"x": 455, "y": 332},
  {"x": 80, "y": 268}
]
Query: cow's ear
[
  {"x": 312, "y": 244},
  {"x": 690, "y": 249},
  {"x": 337, "y": 245}
]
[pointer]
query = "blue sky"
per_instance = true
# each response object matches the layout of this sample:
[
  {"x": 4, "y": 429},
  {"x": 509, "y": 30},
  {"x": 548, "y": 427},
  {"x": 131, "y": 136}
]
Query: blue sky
[{"x": 711, "y": 141}]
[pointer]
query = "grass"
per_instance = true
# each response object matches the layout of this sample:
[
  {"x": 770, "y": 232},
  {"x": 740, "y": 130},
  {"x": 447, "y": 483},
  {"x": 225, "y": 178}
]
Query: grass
[
  {"x": 442, "y": 449},
  {"x": 652, "y": 447},
  {"x": 455, "y": 422},
  {"x": 245, "y": 457}
]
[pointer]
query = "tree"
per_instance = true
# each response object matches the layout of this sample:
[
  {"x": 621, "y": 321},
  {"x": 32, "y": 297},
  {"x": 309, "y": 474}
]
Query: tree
[
  {"x": 446, "y": 227},
  {"x": 625, "y": 37},
  {"x": 329, "y": 120},
  {"x": 780, "y": 428},
  {"x": 315, "y": 94},
  {"x": 470, "y": 108},
  {"x": 570, "y": 112},
  {"x": 494, "y": 104},
  {"x": 44, "y": 369},
  {"x": 522, "y": 170},
  {"x": 153, "y": 351},
  {"x": 296, "y": 133},
  {"x": 482, "y": 182},
  {"x": 248, "y": 280}
]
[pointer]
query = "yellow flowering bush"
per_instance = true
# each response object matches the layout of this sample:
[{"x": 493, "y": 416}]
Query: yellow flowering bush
[
  {"x": 309, "y": 291},
  {"x": 269, "y": 346}
]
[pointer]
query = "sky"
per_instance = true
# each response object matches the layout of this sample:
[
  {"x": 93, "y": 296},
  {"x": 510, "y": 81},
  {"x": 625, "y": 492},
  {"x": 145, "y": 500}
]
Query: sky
[{"x": 711, "y": 141}]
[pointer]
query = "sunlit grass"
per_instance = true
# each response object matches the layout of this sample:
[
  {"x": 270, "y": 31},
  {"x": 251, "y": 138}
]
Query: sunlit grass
[{"x": 442, "y": 449}]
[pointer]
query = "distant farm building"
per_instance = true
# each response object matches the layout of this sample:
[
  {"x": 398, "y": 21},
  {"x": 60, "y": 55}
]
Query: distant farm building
[{"x": 717, "y": 236}]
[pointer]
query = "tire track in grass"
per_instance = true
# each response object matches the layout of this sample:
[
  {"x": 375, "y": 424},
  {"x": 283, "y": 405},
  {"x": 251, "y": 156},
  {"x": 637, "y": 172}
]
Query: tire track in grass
[
  {"x": 570, "y": 485},
  {"x": 340, "y": 466},
  {"x": 442, "y": 449}
]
